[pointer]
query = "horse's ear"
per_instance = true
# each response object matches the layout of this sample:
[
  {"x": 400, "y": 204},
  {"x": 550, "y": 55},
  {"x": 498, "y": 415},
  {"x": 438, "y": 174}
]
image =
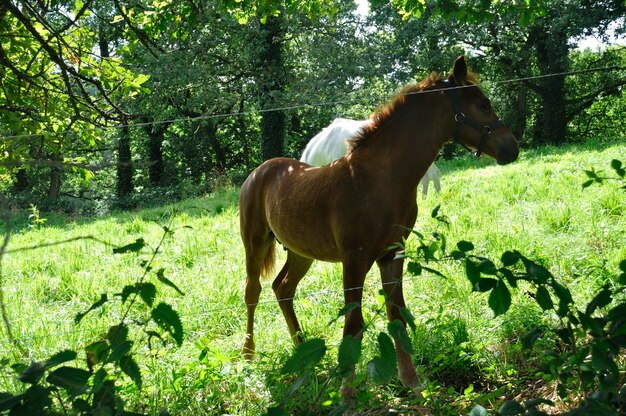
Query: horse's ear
[{"x": 459, "y": 70}]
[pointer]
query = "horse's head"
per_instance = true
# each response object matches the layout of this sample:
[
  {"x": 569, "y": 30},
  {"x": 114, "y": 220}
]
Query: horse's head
[{"x": 477, "y": 126}]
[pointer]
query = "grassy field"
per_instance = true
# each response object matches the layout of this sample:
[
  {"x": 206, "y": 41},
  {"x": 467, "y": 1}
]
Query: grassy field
[{"x": 535, "y": 205}]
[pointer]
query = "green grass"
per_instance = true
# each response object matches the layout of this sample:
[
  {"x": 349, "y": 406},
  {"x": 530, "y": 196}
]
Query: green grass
[{"x": 535, "y": 205}]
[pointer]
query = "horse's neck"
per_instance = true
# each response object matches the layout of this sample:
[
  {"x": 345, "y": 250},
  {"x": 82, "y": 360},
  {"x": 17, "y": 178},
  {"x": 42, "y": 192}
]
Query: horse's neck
[{"x": 403, "y": 147}]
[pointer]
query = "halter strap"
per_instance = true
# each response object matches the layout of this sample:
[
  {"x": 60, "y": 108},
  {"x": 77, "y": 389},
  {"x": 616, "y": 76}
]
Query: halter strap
[{"x": 460, "y": 118}]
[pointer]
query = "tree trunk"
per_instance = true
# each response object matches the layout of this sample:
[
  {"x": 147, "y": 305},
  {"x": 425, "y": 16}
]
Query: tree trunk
[
  {"x": 552, "y": 58},
  {"x": 21, "y": 181},
  {"x": 155, "y": 153},
  {"x": 124, "y": 165},
  {"x": 54, "y": 189},
  {"x": 272, "y": 80}
]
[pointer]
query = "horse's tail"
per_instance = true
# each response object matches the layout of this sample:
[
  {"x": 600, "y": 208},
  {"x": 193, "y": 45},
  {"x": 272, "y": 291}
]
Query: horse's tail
[{"x": 270, "y": 259}]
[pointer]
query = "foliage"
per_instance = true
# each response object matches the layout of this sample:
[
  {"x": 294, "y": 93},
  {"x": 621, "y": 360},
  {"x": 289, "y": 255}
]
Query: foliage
[{"x": 55, "y": 386}]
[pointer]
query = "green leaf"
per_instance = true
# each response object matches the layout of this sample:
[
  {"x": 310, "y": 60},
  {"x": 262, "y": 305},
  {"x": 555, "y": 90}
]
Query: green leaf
[
  {"x": 166, "y": 318},
  {"x": 131, "y": 248},
  {"x": 486, "y": 266},
  {"x": 408, "y": 318},
  {"x": 380, "y": 370},
  {"x": 536, "y": 272},
  {"x": 349, "y": 353},
  {"x": 72, "y": 379},
  {"x": 500, "y": 298},
  {"x": 308, "y": 353},
  {"x": 131, "y": 369},
  {"x": 588, "y": 183},
  {"x": 414, "y": 268},
  {"x": 485, "y": 284},
  {"x": 563, "y": 293},
  {"x": 96, "y": 353},
  {"x": 272, "y": 411},
  {"x": 345, "y": 310},
  {"x": 465, "y": 246},
  {"x": 600, "y": 300},
  {"x": 472, "y": 272},
  {"x": 478, "y": 410},
  {"x": 161, "y": 276},
  {"x": 60, "y": 358},
  {"x": 398, "y": 331},
  {"x": 601, "y": 360},
  {"x": 543, "y": 298},
  {"x": 103, "y": 299},
  {"x": 117, "y": 334},
  {"x": 511, "y": 408},
  {"x": 147, "y": 292},
  {"x": 33, "y": 373},
  {"x": 509, "y": 258}
]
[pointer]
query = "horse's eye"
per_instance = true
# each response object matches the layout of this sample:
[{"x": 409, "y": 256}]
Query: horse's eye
[{"x": 485, "y": 105}]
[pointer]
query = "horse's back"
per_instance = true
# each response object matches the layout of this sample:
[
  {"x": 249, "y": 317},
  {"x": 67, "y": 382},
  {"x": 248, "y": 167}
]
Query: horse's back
[{"x": 332, "y": 142}]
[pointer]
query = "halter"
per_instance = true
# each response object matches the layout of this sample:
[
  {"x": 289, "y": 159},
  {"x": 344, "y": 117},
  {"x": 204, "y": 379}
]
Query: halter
[{"x": 460, "y": 118}]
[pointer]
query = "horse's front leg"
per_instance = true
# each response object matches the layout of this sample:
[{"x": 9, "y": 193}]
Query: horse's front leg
[
  {"x": 391, "y": 274},
  {"x": 353, "y": 278}
]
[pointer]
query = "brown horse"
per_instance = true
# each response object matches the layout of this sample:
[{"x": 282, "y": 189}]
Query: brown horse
[{"x": 354, "y": 209}]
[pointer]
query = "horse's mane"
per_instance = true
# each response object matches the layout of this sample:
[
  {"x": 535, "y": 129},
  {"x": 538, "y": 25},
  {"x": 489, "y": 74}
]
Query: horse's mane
[{"x": 384, "y": 112}]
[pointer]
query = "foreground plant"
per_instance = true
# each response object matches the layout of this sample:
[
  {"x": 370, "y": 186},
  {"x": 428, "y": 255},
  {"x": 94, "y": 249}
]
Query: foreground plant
[{"x": 92, "y": 385}]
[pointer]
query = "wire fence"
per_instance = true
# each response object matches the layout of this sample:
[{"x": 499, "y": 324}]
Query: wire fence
[{"x": 298, "y": 106}]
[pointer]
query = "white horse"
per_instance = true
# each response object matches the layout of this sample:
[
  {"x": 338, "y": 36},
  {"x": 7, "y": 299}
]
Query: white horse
[{"x": 332, "y": 143}]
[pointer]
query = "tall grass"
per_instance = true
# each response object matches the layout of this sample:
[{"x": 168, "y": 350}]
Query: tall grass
[{"x": 536, "y": 205}]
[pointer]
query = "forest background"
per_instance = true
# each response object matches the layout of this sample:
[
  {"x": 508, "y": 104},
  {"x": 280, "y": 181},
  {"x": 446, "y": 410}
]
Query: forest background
[{"x": 124, "y": 103}]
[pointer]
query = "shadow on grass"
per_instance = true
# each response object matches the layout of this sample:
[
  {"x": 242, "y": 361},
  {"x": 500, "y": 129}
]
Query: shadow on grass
[{"x": 206, "y": 206}]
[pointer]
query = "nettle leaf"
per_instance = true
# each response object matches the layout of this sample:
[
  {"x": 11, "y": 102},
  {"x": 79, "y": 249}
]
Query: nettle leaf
[
  {"x": 536, "y": 272},
  {"x": 601, "y": 359},
  {"x": 349, "y": 353},
  {"x": 166, "y": 318},
  {"x": 131, "y": 369},
  {"x": 414, "y": 268},
  {"x": 543, "y": 298},
  {"x": 305, "y": 354},
  {"x": 147, "y": 292},
  {"x": 600, "y": 300},
  {"x": 60, "y": 358},
  {"x": 478, "y": 410},
  {"x": 500, "y": 298},
  {"x": 72, "y": 379},
  {"x": 563, "y": 293},
  {"x": 486, "y": 266},
  {"x": 485, "y": 284},
  {"x": 345, "y": 310},
  {"x": 103, "y": 299},
  {"x": 161, "y": 276},
  {"x": 408, "y": 318},
  {"x": 383, "y": 367},
  {"x": 465, "y": 246},
  {"x": 117, "y": 334},
  {"x": 617, "y": 167},
  {"x": 398, "y": 331},
  {"x": 131, "y": 248},
  {"x": 380, "y": 370},
  {"x": 96, "y": 353},
  {"x": 511, "y": 408},
  {"x": 33, "y": 373},
  {"x": 509, "y": 258},
  {"x": 472, "y": 272}
]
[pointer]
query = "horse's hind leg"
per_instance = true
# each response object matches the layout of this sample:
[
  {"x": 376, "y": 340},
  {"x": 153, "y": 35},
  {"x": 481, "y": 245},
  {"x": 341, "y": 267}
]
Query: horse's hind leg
[
  {"x": 256, "y": 255},
  {"x": 285, "y": 288},
  {"x": 391, "y": 274}
]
